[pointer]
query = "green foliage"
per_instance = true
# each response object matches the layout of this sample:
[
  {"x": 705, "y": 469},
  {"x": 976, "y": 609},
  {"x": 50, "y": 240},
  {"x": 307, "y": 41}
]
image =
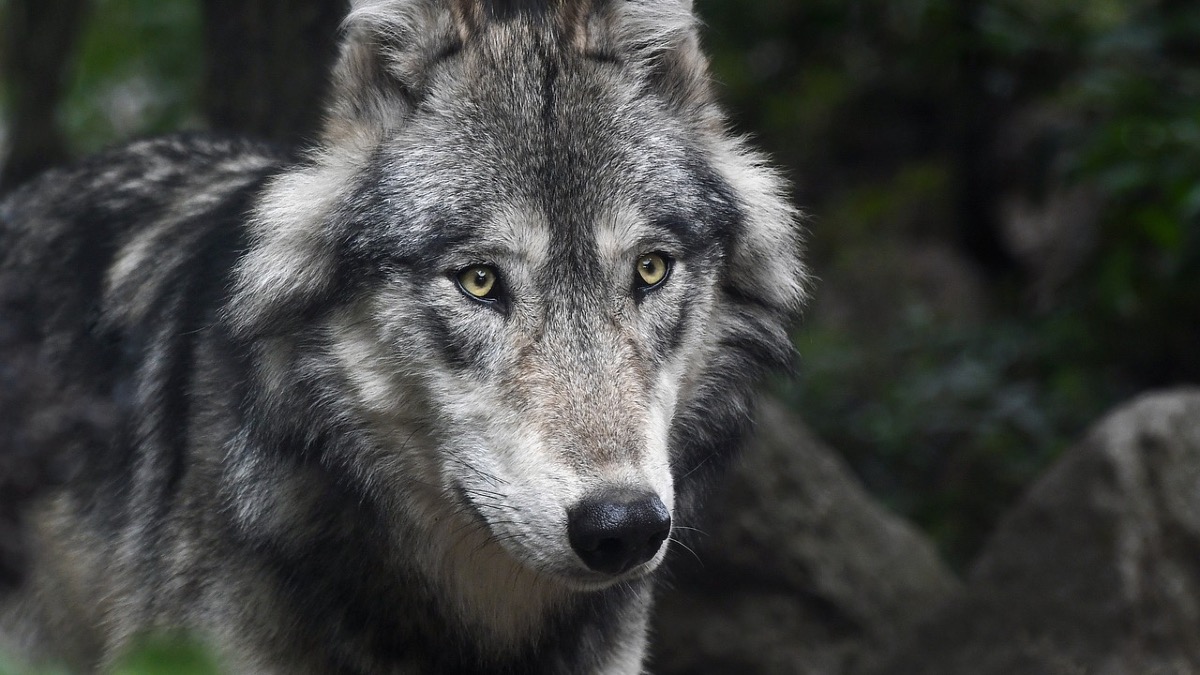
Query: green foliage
[
  {"x": 872, "y": 104},
  {"x": 166, "y": 655},
  {"x": 948, "y": 424},
  {"x": 150, "y": 655},
  {"x": 10, "y": 667},
  {"x": 1142, "y": 92},
  {"x": 139, "y": 70}
]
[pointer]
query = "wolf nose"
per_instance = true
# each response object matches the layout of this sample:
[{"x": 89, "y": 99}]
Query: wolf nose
[{"x": 617, "y": 530}]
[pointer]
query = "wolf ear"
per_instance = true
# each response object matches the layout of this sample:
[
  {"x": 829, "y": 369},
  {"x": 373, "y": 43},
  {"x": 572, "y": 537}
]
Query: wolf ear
[
  {"x": 390, "y": 46},
  {"x": 386, "y": 53},
  {"x": 661, "y": 38}
]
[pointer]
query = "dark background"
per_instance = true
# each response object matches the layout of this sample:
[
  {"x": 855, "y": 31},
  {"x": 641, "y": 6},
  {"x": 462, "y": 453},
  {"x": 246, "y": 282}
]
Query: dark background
[{"x": 1004, "y": 196}]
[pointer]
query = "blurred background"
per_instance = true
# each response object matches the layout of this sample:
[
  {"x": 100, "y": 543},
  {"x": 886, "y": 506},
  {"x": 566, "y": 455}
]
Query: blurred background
[{"x": 1004, "y": 196}]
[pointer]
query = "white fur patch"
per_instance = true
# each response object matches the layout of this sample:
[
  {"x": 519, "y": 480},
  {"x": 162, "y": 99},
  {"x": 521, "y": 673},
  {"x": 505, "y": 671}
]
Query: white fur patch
[
  {"x": 767, "y": 258},
  {"x": 289, "y": 255},
  {"x": 652, "y": 26}
]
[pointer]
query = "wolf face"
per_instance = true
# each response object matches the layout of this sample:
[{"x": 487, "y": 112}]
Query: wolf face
[{"x": 542, "y": 224}]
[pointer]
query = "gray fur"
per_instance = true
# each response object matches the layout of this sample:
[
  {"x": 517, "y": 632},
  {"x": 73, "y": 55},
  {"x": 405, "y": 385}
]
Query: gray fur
[{"x": 329, "y": 459}]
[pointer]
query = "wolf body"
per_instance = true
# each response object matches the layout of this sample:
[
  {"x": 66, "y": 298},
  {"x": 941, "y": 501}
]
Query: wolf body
[{"x": 430, "y": 398}]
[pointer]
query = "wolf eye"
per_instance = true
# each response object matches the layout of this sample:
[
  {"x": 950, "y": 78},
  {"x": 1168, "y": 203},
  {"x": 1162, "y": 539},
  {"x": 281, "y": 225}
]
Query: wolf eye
[
  {"x": 652, "y": 270},
  {"x": 479, "y": 282}
]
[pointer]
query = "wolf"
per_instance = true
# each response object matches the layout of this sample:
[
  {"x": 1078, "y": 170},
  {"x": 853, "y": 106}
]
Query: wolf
[{"x": 433, "y": 395}]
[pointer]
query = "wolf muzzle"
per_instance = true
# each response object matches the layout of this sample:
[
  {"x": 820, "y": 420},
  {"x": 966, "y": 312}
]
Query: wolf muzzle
[{"x": 616, "y": 530}]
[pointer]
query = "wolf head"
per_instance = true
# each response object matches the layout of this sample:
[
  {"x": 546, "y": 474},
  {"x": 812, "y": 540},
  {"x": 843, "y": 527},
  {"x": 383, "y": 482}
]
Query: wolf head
[{"x": 520, "y": 293}]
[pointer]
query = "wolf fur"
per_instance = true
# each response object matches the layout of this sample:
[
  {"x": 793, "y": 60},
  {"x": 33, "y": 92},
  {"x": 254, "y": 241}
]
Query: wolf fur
[{"x": 327, "y": 457}]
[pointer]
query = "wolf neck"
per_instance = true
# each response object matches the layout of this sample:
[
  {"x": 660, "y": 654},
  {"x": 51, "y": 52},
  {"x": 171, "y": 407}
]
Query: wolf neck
[
  {"x": 440, "y": 599},
  {"x": 488, "y": 591},
  {"x": 512, "y": 611}
]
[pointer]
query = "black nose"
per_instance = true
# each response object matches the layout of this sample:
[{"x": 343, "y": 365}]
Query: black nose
[{"x": 618, "y": 529}]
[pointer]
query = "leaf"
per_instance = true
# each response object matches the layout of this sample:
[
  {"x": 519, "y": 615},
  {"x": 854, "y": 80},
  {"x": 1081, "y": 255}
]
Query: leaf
[{"x": 167, "y": 655}]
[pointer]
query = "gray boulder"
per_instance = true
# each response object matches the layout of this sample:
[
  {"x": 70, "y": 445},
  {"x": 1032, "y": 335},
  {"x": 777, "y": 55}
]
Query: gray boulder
[
  {"x": 800, "y": 571},
  {"x": 1096, "y": 571}
]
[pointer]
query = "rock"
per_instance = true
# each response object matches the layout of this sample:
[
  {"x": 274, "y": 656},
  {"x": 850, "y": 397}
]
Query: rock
[
  {"x": 1096, "y": 571},
  {"x": 800, "y": 570},
  {"x": 894, "y": 282}
]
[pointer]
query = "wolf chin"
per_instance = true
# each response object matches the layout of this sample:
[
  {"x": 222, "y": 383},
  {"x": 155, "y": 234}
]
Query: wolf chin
[{"x": 433, "y": 398}]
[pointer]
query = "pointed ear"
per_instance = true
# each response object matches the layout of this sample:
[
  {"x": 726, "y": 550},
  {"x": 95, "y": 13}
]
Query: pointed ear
[
  {"x": 387, "y": 51},
  {"x": 661, "y": 38}
]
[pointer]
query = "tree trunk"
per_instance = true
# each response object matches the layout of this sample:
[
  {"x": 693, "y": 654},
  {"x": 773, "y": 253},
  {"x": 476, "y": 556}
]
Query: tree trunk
[
  {"x": 39, "y": 40},
  {"x": 268, "y": 65},
  {"x": 979, "y": 113}
]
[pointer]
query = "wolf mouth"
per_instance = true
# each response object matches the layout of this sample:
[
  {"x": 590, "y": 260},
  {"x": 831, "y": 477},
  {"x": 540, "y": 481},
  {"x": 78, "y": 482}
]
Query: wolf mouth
[{"x": 583, "y": 571}]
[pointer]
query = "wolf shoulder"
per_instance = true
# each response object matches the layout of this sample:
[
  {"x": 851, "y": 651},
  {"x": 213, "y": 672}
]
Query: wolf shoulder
[{"x": 118, "y": 226}]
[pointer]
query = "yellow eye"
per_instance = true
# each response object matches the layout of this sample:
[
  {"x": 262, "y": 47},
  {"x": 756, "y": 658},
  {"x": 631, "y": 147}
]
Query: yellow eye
[
  {"x": 478, "y": 281},
  {"x": 652, "y": 269}
]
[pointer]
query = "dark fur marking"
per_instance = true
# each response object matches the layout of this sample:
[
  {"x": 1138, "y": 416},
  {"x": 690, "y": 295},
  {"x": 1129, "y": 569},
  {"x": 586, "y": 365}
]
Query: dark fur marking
[
  {"x": 605, "y": 57},
  {"x": 763, "y": 353},
  {"x": 737, "y": 296},
  {"x": 508, "y": 10},
  {"x": 456, "y": 352},
  {"x": 549, "y": 83},
  {"x": 204, "y": 280},
  {"x": 677, "y": 329}
]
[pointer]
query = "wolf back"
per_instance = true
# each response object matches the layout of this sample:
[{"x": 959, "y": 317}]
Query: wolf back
[{"x": 433, "y": 397}]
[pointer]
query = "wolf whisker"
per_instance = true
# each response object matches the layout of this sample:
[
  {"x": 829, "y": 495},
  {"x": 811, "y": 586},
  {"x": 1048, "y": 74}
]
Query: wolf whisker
[{"x": 677, "y": 542}]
